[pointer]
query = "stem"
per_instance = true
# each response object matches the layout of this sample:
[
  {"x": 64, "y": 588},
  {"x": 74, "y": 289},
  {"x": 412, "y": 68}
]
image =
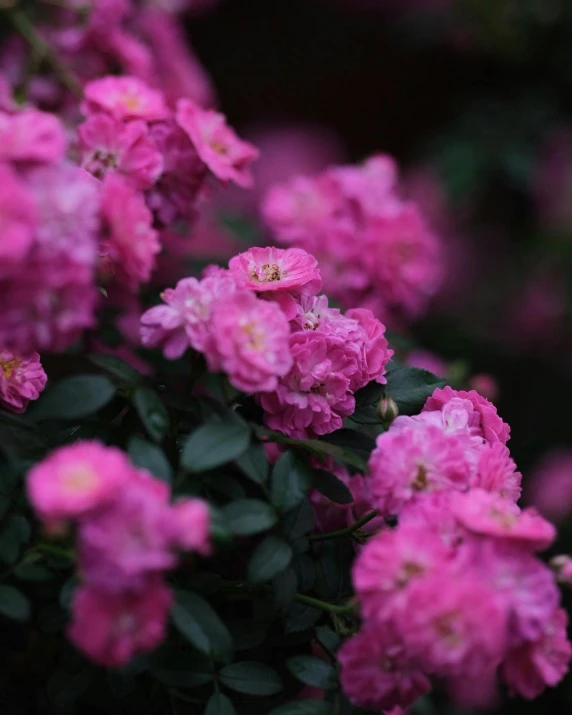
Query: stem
[
  {"x": 43, "y": 50},
  {"x": 53, "y": 550},
  {"x": 299, "y": 597},
  {"x": 348, "y": 531}
]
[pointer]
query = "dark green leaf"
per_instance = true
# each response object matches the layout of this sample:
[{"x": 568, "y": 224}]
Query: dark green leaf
[
  {"x": 201, "y": 625},
  {"x": 251, "y": 678},
  {"x": 359, "y": 443},
  {"x": 328, "y": 638},
  {"x": 64, "y": 688},
  {"x": 289, "y": 482},
  {"x": 32, "y": 572},
  {"x": 14, "y": 604},
  {"x": 116, "y": 367},
  {"x": 330, "y": 486},
  {"x": 270, "y": 557},
  {"x": 254, "y": 463},
  {"x": 249, "y": 516},
  {"x": 305, "y": 707},
  {"x": 285, "y": 585},
  {"x": 410, "y": 387},
  {"x": 248, "y": 633},
  {"x": 299, "y": 617},
  {"x": 152, "y": 412},
  {"x": 334, "y": 577},
  {"x": 73, "y": 398},
  {"x": 225, "y": 484},
  {"x": 151, "y": 457},
  {"x": 214, "y": 444},
  {"x": 184, "y": 670},
  {"x": 299, "y": 521},
  {"x": 305, "y": 572},
  {"x": 15, "y": 533},
  {"x": 312, "y": 671},
  {"x": 219, "y": 704}
]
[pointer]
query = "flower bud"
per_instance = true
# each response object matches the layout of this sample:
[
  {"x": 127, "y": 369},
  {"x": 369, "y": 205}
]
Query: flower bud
[
  {"x": 562, "y": 566},
  {"x": 387, "y": 409}
]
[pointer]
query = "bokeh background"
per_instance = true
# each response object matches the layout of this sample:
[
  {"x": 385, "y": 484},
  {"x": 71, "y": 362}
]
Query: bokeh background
[{"x": 474, "y": 100}]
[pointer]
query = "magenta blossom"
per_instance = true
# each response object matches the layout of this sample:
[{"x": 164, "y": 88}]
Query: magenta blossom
[
  {"x": 124, "y": 98},
  {"x": 250, "y": 342},
  {"x": 31, "y": 136},
  {"x": 17, "y": 220},
  {"x": 111, "y": 629},
  {"x": 226, "y": 156},
  {"x": 21, "y": 380},
  {"x": 107, "y": 144},
  {"x": 276, "y": 269}
]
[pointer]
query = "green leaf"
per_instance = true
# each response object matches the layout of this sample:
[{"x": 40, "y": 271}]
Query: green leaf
[
  {"x": 358, "y": 443},
  {"x": 214, "y": 444},
  {"x": 151, "y": 457},
  {"x": 270, "y": 557},
  {"x": 304, "y": 707},
  {"x": 367, "y": 400},
  {"x": 201, "y": 626},
  {"x": 254, "y": 463},
  {"x": 334, "y": 575},
  {"x": 328, "y": 638},
  {"x": 299, "y": 617},
  {"x": 330, "y": 486},
  {"x": 32, "y": 572},
  {"x": 64, "y": 688},
  {"x": 73, "y": 398},
  {"x": 289, "y": 482},
  {"x": 15, "y": 533},
  {"x": 219, "y": 704},
  {"x": 312, "y": 671},
  {"x": 299, "y": 521},
  {"x": 152, "y": 412},
  {"x": 251, "y": 678},
  {"x": 116, "y": 367},
  {"x": 184, "y": 670},
  {"x": 285, "y": 585},
  {"x": 14, "y": 604},
  {"x": 410, "y": 387},
  {"x": 249, "y": 516}
]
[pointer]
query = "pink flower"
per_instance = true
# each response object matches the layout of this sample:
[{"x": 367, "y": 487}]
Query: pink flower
[
  {"x": 376, "y": 350},
  {"x": 550, "y": 485},
  {"x": 107, "y": 144},
  {"x": 389, "y": 562},
  {"x": 531, "y": 667},
  {"x": 190, "y": 521},
  {"x": 452, "y": 623},
  {"x": 31, "y": 136},
  {"x": 227, "y": 156},
  {"x": 124, "y": 98},
  {"x": 67, "y": 208},
  {"x": 251, "y": 342},
  {"x": 487, "y": 513},
  {"x": 403, "y": 260},
  {"x": 131, "y": 243},
  {"x": 112, "y": 628},
  {"x": 496, "y": 472},
  {"x": 184, "y": 319},
  {"x": 121, "y": 545},
  {"x": 276, "y": 269},
  {"x": 75, "y": 479},
  {"x": 376, "y": 672},
  {"x": 415, "y": 460},
  {"x": 17, "y": 220},
  {"x": 485, "y": 418},
  {"x": 314, "y": 396},
  {"x": 21, "y": 380}
]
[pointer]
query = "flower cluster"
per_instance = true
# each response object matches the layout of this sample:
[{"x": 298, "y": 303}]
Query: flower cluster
[
  {"x": 21, "y": 380},
  {"x": 68, "y": 228},
  {"x": 375, "y": 249},
  {"x": 128, "y": 535},
  {"x": 454, "y": 591},
  {"x": 263, "y": 324}
]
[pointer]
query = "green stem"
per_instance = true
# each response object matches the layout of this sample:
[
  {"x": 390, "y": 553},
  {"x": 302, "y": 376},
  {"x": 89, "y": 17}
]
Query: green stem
[
  {"x": 348, "y": 531},
  {"x": 41, "y": 48},
  {"x": 299, "y": 597},
  {"x": 54, "y": 550}
]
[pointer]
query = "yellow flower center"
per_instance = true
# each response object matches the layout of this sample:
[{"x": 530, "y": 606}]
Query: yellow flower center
[
  {"x": 8, "y": 366},
  {"x": 420, "y": 482},
  {"x": 79, "y": 479},
  {"x": 255, "y": 336},
  {"x": 130, "y": 101}
]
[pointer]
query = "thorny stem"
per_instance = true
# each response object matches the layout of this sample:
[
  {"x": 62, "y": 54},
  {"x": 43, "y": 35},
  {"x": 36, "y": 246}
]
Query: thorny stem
[
  {"x": 42, "y": 50},
  {"x": 348, "y": 531}
]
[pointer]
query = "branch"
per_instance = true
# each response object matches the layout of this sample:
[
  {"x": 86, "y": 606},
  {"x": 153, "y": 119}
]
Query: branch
[{"x": 348, "y": 531}]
